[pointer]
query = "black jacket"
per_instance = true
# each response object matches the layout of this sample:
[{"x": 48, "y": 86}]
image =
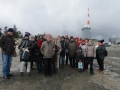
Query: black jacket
[
  {"x": 100, "y": 52},
  {"x": 7, "y": 44},
  {"x": 64, "y": 46}
]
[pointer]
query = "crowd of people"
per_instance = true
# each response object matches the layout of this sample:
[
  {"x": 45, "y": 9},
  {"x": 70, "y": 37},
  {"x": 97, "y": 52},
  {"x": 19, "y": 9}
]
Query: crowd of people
[{"x": 48, "y": 53}]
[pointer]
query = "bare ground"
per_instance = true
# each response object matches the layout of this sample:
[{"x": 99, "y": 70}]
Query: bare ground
[{"x": 67, "y": 78}]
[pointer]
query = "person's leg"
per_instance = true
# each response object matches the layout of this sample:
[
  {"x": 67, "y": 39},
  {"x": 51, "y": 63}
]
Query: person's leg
[
  {"x": 66, "y": 58},
  {"x": 70, "y": 58},
  {"x": 22, "y": 66},
  {"x": 91, "y": 64},
  {"x": 40, "y": 66},
  {"x": 101, "y": 64},
  {"x": 37, "y": 65},
  {"x": 4, "y": 64},
  {"x": 74, "y": 62},
  {"x": 49, "y": 66},
  {"x": 45, "y": 66},
  {"x": 98, "y": 60},
  {"x": 9, "y": 64},
  {"x": 28, "y": 68},
  {"x": 85, "y": 63}
]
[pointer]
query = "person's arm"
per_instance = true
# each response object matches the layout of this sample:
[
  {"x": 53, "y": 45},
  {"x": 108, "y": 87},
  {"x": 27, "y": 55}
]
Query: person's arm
[
  {"x": 19, "y": 47},
  {"x": 94, "y": 52},
  {"x": 2, "y": 40},
  {"x": 42, "y": 48}
]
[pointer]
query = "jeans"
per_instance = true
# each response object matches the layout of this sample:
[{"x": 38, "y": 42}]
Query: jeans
[
  {"x": 72, "y": 61},
  {"x": 90, "y": 59},
  {"x": 6, "y": 64},
  {"x": 39, "y": 65},
  {"x": 63, "y": 59}
]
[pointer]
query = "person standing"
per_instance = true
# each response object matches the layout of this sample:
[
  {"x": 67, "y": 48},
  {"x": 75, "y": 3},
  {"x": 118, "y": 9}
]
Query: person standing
[
  {"x": 58, "y": 44},
  {"x": 38, "y": 57},
  {"x": 48, "y": 51},
  {"x": 90, "y": 54},
  {"x": 63, "y": 47},
  {"x": 25, "y": 45},
  {"x": 100, "y": 54},
  {"x": 72, "y": 50},
  {"x": 67, "y": 41},
  {"x": 7, "y": 44}
]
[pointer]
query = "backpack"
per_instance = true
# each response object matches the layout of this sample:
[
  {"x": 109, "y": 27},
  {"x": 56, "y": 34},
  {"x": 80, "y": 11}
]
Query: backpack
[
  {"x": 25, "y": 55},
  {"x": 106, "y": 53}
]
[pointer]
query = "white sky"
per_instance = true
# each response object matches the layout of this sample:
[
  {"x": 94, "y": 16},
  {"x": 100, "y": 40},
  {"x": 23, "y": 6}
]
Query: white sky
[{"x": 60, "y": 17}]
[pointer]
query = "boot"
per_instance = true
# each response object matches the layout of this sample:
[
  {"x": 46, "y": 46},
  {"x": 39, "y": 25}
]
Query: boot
[
  {"x": 91, "y": 71},
  {"x": 28, "y": 73},
  {"x": 21, "y": 73}
]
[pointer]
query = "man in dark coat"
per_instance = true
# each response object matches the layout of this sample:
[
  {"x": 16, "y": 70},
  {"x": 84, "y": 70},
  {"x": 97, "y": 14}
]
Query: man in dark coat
[
  {"x": 67, "y": 41},
  {"x": 72, "y": 50},
  {"x": 7, "y": 44},
  {"x": 63, "y": 46},
  {"x": 100, "y": 54}
]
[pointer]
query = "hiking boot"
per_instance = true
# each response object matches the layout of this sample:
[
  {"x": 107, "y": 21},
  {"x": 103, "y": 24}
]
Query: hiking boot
[
  {"x": 28, "y": 74},
  {"x": 21, "y": 73},
  {"x": 10, "y": 74},
  {"x": 92, "y": 73},
  {"x": 6, "y": 77}
]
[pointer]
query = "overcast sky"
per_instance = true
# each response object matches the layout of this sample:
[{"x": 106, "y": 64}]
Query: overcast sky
[{"x": 60, "y": 17}]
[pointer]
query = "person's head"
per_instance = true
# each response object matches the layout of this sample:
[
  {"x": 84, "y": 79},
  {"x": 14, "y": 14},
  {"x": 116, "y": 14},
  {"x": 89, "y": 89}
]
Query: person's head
[
  {"x": 32, "y": 37},
  {"x": 90, "y": 42},
  {"x": 100, "y": 42},
  {"x": 83, "y": 41},
  {"x": 58, "y": 37},
  {"x": 10, "y": 31},
  {"x": 48, "y": 37},
  {"x": 86, "y": 40},
  {"x": 76, "y": 39},
  {"x": 62, "y": 38},
  {"x": 71, "y": 38},
  {"x": 39, "y": 38},
  {"x": 53, "y": 40},
  {"x": 66, "y": 36},
  {"x": 26, "y": 36}
]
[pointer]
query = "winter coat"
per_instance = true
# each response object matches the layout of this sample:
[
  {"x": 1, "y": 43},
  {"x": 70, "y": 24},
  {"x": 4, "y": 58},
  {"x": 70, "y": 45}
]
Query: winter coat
[
  {"x": 25, "y": 43},
  {"x": 100, "y": 52},
  {"x": 63, "y": 46},
  {"x": 72, "y": 48},
  {"x": 7, "y": 44},
  {"x": 59, "y": 47},
  {"x": 90, "y": 51},
  {"x": 37, "y": 53},
  {"x": 47, "y": 49},
  {"x": 83, "y": 47},
  {"x": 55, "y": 55}
]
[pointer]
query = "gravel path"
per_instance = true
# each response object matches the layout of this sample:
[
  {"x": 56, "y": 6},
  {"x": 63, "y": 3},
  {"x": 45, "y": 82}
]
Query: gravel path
[{"x": 67, "y": 78}]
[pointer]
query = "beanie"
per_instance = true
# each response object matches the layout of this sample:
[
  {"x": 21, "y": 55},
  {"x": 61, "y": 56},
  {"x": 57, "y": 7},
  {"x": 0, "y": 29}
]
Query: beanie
[{"x": 10, "y": 30}]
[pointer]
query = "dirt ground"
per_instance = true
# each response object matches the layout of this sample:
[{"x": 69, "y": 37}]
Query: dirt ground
[{"x": 67, "y": 78}]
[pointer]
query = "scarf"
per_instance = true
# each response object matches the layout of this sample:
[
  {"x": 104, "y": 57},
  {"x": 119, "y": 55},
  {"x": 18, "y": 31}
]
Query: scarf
[{"x": 39, "y": 43}]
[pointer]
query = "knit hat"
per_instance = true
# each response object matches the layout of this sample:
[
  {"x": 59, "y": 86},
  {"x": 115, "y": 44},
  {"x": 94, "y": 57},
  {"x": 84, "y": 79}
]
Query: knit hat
[
  {"x": 101, "y": 41},
  {"x": 71, "y": 37},
  {"x": 10, "y": 30},
  {"x": 26, "y": 35},
  {"x": 62, "y": 37},
  {"x": 83, "y": 41}
]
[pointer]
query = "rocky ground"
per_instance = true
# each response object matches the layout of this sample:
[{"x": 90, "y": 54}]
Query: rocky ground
[{"x": 68, "y": 78}]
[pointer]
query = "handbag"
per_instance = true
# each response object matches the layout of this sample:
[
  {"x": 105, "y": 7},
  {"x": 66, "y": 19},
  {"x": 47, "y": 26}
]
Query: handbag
[{"x": 25, "y": 55}]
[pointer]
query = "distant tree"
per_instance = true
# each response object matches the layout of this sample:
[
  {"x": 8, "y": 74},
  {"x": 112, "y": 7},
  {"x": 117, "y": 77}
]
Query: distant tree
[{"x": 5, "y": 30}]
